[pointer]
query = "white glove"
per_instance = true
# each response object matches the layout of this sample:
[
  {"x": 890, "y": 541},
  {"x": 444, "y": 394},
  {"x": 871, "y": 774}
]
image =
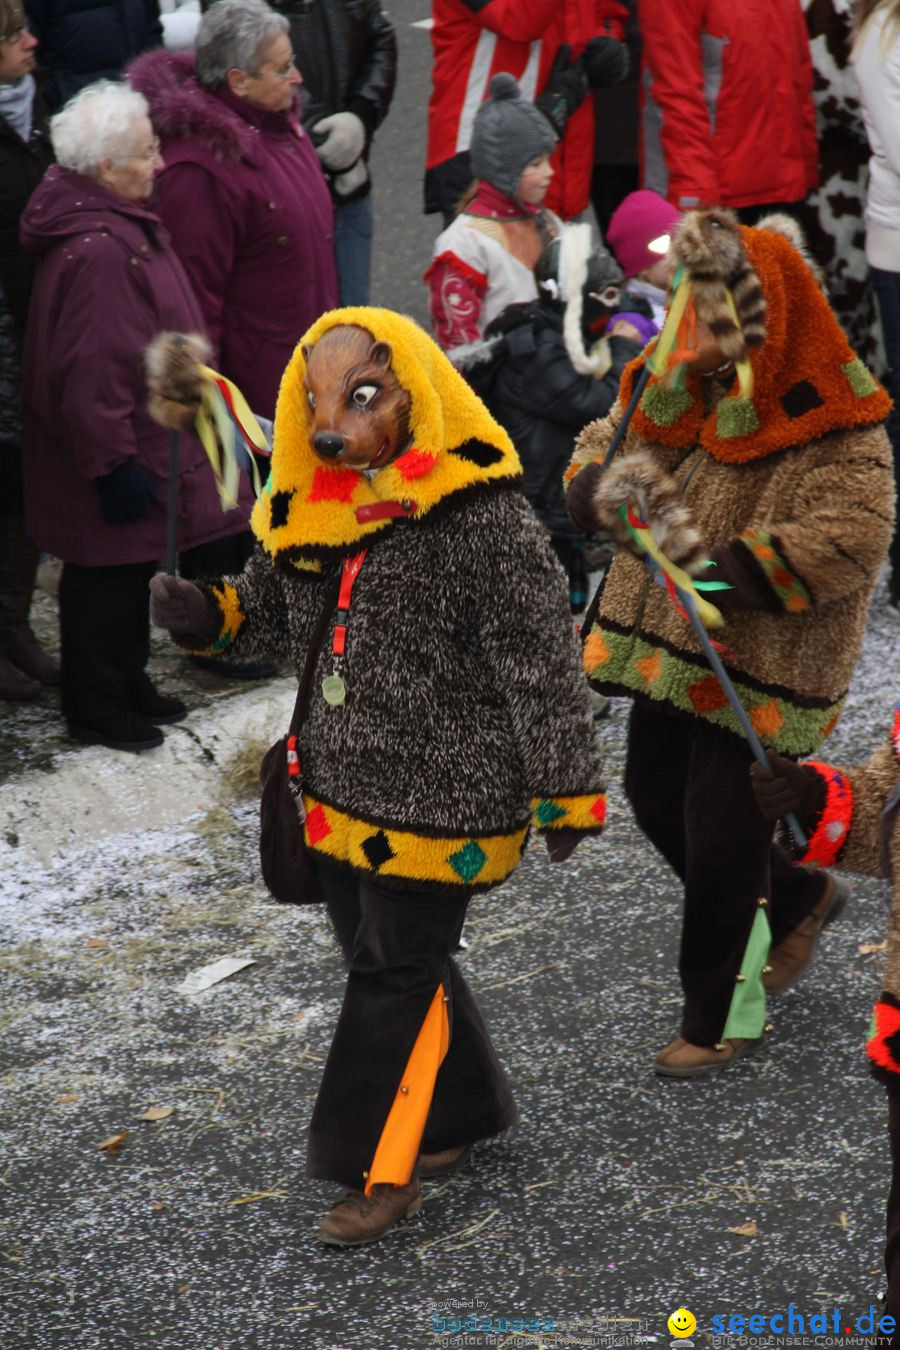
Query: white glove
[
  {"x": 344, "y": 142},
  {"x": 353, "y": 178}
]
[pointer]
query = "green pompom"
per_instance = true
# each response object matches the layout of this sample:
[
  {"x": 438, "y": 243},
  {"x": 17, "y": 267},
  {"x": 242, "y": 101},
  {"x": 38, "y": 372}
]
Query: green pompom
[
  {"x": 736, "y": 417},
  {"x": 859, "y": 378},
  {"x": 664, "y": 405}
]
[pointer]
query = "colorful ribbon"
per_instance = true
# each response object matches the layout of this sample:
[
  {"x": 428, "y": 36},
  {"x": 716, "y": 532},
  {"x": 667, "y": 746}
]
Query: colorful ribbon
[{"x": 223, "y": 411}]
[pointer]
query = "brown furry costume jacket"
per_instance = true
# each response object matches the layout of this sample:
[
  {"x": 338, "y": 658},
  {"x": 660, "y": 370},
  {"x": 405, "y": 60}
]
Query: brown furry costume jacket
[{"x": 788, "y": 491}]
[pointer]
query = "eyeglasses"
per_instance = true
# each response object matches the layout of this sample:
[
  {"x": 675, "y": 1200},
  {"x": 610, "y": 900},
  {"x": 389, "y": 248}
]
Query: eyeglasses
[
  {"x": 149, "y": 155},
  {"x": 283, "y": 72},
  {"x": 17, "y": 34}
]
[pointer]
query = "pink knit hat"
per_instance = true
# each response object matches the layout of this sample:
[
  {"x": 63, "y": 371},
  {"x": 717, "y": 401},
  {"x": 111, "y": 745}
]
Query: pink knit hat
[{"x": 638, "y": 220}]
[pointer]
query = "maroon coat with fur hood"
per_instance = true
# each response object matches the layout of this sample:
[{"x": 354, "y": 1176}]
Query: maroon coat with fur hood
[
  {"x": 246, "y": 202},
  {"x": 107, "y": 282}
]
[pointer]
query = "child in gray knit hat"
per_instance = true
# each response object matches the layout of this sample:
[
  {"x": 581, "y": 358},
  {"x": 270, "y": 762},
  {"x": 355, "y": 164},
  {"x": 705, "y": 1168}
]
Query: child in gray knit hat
[{"x": 484, "y": 260}]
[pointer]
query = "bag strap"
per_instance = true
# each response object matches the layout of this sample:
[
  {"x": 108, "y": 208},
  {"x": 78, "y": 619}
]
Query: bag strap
[{"x": 312, "y": 652}]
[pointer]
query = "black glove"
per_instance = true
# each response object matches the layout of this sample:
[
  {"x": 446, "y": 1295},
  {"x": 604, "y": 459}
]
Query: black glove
[
  {"x": 580, "y": 497},
  {"x": 125, "y": 494},
  {"x": 787, "y": 787},
  {"x": 178, "y": 605},
  {"x": 566, "y": 87},
  {"x": 605, "y": 62},
  {"x": 562, "y": 843}
]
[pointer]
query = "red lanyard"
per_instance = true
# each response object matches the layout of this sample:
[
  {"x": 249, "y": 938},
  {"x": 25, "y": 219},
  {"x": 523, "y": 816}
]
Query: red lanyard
[{"x": 350, "y": 569}]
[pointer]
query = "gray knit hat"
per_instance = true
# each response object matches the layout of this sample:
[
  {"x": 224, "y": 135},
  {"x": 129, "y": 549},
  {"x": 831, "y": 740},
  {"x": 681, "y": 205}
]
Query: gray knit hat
[{"x": 508, "y": 133}]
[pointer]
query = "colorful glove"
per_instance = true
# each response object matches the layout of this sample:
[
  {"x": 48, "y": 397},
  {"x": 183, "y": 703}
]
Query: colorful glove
[
  {"x": 580, "y": 497},
  {"x": 562, "y": 843},
  {"x": 339, "y": 140},
  {"x": 565, "y": 90},
  {"x": 787, "y": 787},
  {"x": 178, "y": 605},
  {"x": 605, "y": 62},
  {"x": 126, "y": 494}
]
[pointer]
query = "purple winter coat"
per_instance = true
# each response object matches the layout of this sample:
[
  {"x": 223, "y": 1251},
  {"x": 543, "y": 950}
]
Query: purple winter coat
[
  {"x": 246, "y": 202},
  {"x": 107, "y": 282}
]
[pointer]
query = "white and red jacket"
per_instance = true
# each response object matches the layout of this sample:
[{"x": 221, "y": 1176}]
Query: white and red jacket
[
  {"x": 472, "y": 41},
  {"x": 728, "y": 116}
]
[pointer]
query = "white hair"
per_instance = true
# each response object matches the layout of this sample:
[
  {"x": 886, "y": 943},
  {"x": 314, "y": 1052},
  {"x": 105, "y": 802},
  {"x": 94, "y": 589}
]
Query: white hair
[
  {"x": 97, "y": 124},
  {"x": 231, "y": 36}
]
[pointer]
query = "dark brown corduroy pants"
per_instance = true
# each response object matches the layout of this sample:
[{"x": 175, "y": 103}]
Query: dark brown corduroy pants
[
  {"x": 689, "y": 784},
  {"x": 398, "y": 947}
]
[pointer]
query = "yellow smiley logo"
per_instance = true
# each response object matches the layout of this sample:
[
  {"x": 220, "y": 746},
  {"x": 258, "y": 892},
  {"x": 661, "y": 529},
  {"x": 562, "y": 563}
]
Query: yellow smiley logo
[{"x": 682, "y": 1322}]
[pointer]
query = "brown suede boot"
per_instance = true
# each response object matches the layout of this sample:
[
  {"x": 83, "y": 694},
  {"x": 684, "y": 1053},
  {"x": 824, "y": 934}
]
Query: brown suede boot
[
  {"x": 443, "y": 1163},
  {"x": 683, "y": 1059},
  {"x": 360, "y": 1218},
  {"x": 27, "y": 653},
  {"x": 18, "y": 568},
  {"x": 15, "y": 684},
  {"x": 794, "y": 954}
]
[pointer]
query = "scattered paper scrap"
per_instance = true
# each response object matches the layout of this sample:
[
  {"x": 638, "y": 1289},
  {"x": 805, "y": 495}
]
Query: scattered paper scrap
[
  {"x": 64, "y": 1098},
  {"x": 206, "y": 976},
  {"x": 114, "y": 1142},
  {"x": 158, "y": 1205},
  {"x": 843, "y": 1220},
  {"x": 869, "y": 948},
  {"x": 157, "y": 1113},
  {"x": 745, "y": 1229}
]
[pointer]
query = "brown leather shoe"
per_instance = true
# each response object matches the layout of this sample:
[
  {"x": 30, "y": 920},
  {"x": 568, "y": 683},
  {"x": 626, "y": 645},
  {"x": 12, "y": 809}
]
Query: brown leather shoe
[
  {"x": 794, "y": 953},
  {"x": 441, "y": 1164},
  {"x": 683, "y": 1059},
  {"x": 360, "y": 1218}
]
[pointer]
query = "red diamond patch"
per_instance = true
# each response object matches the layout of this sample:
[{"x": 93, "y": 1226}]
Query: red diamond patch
[
  {"x": 317, "y": 827},
  {"x": 333, "y": 485}
]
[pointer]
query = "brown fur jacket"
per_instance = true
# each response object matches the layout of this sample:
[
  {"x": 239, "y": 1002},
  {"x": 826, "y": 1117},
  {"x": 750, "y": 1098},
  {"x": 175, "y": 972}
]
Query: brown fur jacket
[{"x": 800, "y": 535}]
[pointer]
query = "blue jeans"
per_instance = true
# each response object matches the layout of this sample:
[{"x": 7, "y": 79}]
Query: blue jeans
[
  {"x": 353, "y": 249},
  {"x": 886, "y": 286}
]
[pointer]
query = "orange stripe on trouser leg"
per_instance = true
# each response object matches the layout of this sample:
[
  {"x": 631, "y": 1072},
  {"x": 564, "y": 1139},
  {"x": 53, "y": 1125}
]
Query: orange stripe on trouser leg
[{"x": 398, "y": 1147}]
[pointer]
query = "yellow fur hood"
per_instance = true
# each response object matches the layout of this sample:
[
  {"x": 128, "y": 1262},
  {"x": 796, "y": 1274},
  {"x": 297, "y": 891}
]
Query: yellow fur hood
[{"x": 310, "y": 510}]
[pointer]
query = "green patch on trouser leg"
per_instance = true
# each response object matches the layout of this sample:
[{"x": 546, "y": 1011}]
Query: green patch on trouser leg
[{"x": 747, "y": 1014}]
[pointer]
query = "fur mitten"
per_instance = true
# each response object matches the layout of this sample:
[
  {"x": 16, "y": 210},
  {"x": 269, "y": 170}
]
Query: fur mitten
[
  {"x": 638, "y": 479},
  {"x": 174, "y": 382}
]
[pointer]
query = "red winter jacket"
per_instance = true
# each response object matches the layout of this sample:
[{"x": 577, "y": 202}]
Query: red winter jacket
[
  {"x": 728, "y": 116},
  {"x": 473, "y": 40}
]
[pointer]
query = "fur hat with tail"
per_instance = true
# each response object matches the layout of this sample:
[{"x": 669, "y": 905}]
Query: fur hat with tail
[
  {"x": 726, "y": 291},
  {"x": 174, "y": 381},
  {"x": 637, "y": 478}
]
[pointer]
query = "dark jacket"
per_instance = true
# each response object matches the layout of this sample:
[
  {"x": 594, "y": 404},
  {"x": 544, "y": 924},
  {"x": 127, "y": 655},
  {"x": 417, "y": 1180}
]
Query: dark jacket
[
  {"x": 86, "y": 40},
  {"x": 525, "y": 375},
  {"x": 22, "y": 166},
  {"x": 108, "y": 281},
  {"x": 246, "y": 203}
]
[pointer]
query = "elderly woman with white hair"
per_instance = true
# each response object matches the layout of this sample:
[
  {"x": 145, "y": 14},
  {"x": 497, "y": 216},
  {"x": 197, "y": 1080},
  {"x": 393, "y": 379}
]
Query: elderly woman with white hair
[{"x": 96, "y": 465}]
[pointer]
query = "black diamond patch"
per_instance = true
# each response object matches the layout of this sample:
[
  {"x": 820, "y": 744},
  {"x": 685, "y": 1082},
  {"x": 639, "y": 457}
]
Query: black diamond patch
[
  {"x": 801, "y": 398},
  {"x": 281, "y": 502},
  {"x": 377, "y": 849},
  {"x": 479, "y": 452}
]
